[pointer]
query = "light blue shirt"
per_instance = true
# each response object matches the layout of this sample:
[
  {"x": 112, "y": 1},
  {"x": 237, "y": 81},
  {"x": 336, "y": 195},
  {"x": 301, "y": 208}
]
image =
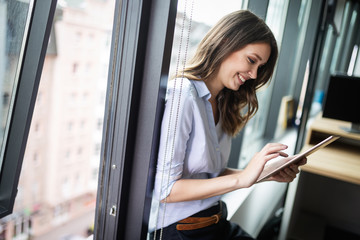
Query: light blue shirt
[{"x": 191, "y": 147}]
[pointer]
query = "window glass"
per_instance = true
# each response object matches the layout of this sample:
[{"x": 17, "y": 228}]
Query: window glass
[
  {"x": 254, "y": 130},
  {"x": 340, "y": 54},
  {"x": 303, "y": 19},
  {"x": 58, "y": 181},
  {"x": 14, "y": 20}
]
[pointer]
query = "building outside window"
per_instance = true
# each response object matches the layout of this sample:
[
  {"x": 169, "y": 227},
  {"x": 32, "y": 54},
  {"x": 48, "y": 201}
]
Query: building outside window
[{"x": 57, "y": 198}]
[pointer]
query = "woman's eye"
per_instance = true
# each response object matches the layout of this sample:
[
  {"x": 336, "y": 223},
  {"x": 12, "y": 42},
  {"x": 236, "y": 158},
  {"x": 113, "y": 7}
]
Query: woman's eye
[{"x": 251, "y": 60}]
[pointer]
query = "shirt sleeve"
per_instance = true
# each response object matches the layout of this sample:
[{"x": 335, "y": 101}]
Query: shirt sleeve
[{"x": 175, "y": 132}]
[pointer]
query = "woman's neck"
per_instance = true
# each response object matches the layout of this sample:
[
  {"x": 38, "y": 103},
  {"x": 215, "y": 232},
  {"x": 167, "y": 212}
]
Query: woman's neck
[{"x": 214, "y": 86}]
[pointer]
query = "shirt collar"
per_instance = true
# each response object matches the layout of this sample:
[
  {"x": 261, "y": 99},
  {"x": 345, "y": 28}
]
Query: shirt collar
[{"x": 201, "y": 88}]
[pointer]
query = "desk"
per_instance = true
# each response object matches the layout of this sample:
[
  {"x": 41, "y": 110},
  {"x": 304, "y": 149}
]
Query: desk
[{"x": 326, "y": 194}]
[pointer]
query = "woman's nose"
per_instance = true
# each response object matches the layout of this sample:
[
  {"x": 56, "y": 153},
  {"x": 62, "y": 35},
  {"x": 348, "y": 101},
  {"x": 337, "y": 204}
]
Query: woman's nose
[{"x": 253, "y": 73}]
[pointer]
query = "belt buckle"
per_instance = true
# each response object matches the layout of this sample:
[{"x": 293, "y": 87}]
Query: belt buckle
[{"x": 217, "y": 218}]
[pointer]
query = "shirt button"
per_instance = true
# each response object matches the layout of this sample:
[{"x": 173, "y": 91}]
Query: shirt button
[{"x": 217, "y": 149}]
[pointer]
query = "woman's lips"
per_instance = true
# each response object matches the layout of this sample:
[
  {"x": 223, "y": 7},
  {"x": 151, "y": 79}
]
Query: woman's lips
[{"x": 241, "y": 79}]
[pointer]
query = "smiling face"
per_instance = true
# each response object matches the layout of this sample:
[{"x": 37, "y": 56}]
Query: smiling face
[{"x": 241, "y": 66}]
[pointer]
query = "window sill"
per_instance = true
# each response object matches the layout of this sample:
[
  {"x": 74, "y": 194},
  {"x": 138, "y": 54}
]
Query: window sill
[{"x": 235, "y": 199}]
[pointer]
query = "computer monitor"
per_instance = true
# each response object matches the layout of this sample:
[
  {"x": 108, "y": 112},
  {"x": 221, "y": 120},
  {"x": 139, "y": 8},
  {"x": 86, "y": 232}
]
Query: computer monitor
[{"x": 342, "y": 100}]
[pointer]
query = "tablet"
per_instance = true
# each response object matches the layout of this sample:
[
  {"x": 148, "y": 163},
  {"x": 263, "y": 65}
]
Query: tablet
[{"x": 274, "y": 166}]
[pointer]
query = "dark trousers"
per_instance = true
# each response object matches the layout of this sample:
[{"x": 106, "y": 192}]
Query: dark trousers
[{"x": 223, "y": 230}]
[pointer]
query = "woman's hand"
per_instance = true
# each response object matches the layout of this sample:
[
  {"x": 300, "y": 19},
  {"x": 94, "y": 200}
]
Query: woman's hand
[
  {"x": 256, "y": 165},
  {"x": 288, "y": 174},
  {"x": 233, "y": 179}
]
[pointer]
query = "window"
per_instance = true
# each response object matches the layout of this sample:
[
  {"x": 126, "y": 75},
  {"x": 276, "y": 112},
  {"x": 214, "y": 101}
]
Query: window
[
  {"x": 134, "y": 85},
  {"x": 21, "y": 68},
  {"x": 340, "y": 53},
  {"x": 12, "y": 49},
  {"x": 63, "y": 180}
]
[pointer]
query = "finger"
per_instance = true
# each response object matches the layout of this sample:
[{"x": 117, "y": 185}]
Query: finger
[
  {"x": 302, "y": 161},
  {"x": 283, "y": 154},
  {"x": 274, "y": 145},
  {"x": 273, "y": 148},
  {"x": 290, "y": 172},
  {"x": 290, "y": 175},
  {"x": 284, "y": 176},
  {"x": 294, "y": 168},
  {"x": 271, "y": 156}
]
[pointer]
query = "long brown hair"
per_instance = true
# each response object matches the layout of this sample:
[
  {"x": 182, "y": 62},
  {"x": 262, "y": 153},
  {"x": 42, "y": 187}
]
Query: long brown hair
[{"x": 230, "y": 34}]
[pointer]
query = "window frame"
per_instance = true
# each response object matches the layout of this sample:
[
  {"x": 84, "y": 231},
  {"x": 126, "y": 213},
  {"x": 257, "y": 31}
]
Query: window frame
[
  {"x": 138, "y": 73},
  {"x": 25, "y": 96}
]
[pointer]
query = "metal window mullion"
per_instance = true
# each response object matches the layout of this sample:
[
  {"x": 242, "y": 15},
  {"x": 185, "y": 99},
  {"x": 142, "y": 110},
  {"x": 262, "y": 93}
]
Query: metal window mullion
[
  {"x": 259, "y": 7},
  {"x": 117, "y": 115},
  {"x": 139, "y": 61},
  {"x": 151, "y": 75},
  {"x": 282, "y": 76},
  {"x": 315, "y": 41}
]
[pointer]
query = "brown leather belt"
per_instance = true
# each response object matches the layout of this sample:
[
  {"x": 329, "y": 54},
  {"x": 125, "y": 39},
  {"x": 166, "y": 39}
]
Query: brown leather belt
[{"x": 192, "y": 223}]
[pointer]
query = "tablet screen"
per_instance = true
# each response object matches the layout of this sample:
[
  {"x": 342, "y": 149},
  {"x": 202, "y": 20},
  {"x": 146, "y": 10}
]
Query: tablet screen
[{"x": 274, "y": 166}]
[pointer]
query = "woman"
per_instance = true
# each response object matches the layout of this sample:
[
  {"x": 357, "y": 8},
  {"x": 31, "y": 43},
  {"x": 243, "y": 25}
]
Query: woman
[{"x": 206, "y": 105}]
